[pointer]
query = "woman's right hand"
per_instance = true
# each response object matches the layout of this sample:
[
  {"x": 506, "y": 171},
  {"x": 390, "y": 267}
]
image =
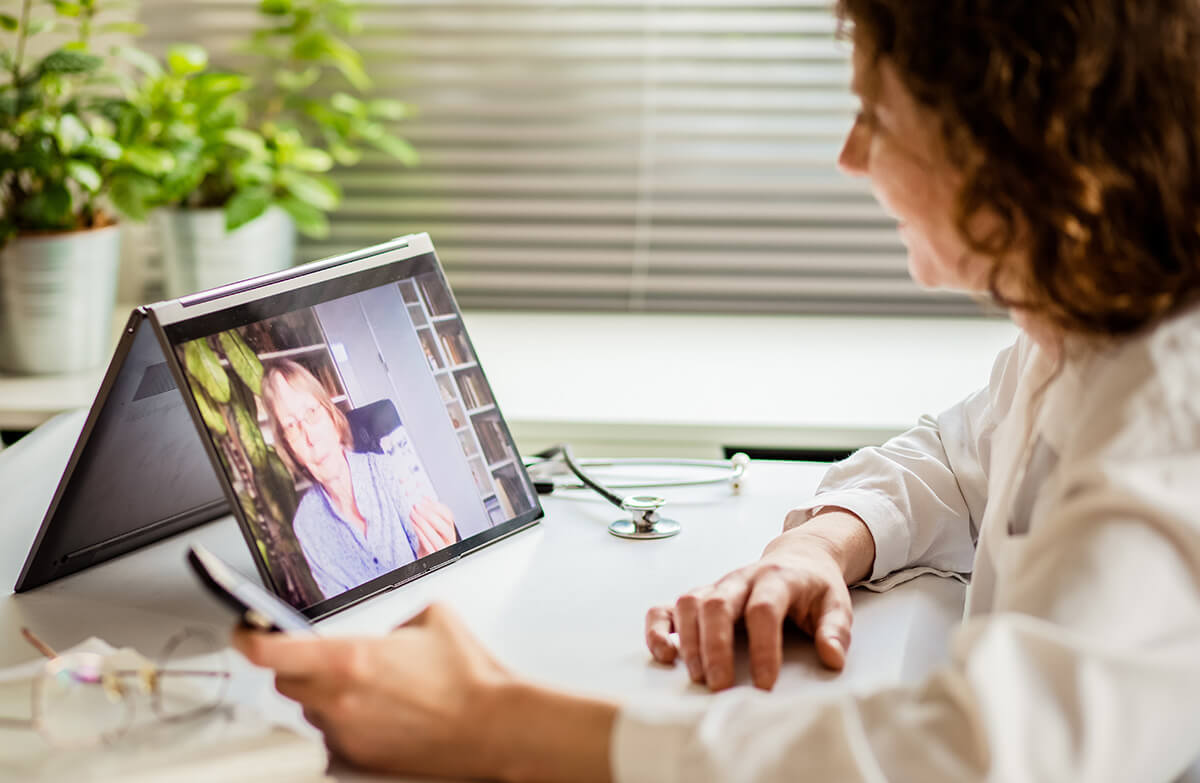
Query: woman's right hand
[{"x": 802, "y": 575}]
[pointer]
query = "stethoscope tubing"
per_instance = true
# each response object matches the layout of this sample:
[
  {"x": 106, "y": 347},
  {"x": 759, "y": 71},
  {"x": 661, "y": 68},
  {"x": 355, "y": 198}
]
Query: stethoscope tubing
[{"x": 733, "y": 471}]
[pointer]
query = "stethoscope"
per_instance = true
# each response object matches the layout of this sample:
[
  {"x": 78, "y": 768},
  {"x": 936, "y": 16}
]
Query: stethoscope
[{"x": 644, "y": 521}]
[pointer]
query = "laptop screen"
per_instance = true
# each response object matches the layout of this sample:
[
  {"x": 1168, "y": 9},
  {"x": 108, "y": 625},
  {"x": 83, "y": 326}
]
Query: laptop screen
[{"x": 357, "y": 431}]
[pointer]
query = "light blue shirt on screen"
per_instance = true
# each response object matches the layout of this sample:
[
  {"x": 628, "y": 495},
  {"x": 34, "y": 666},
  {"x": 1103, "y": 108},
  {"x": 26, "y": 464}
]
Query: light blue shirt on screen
[{"x": 339, "y": 555}]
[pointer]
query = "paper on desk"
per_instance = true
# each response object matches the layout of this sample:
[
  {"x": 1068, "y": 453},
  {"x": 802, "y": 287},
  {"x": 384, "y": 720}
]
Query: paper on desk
[{"x": 233, "y": 744}]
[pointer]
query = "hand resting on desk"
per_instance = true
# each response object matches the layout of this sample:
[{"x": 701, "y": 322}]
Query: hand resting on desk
[{"x": 802, "y": 574}]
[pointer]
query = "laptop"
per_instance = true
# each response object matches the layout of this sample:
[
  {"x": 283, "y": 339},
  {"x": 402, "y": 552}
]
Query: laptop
[{"x": 337, "y": 410}]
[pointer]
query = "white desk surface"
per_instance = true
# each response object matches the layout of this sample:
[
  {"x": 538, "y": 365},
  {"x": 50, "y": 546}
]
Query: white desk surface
[
  {"x": 684, "y": 384},
  {"x": 562, "y": 602}
]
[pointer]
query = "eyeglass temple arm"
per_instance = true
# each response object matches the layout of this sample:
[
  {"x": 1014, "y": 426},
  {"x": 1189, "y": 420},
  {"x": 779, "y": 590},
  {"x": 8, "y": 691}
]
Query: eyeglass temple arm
[
  {"x": 37, "y": 643},
  {"x": 178, "y": 672}
]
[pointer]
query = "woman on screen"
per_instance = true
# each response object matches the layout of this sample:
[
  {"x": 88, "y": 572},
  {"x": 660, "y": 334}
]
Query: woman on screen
[{"x": 364, "y": 516}]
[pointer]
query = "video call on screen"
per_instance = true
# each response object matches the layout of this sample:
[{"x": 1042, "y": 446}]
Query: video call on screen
[{"x": 359, "y": 435}]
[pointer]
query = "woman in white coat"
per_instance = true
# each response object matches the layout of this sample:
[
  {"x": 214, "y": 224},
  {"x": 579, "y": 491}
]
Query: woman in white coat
[{"x": 1045, "y": 155}]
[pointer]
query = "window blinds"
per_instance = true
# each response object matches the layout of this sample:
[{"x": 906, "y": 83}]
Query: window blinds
[{"x": 641, "y": 155}]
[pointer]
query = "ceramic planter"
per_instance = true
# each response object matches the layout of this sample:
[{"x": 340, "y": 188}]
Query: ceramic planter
[
  {"x": 198, "y": 253},
  {"x": 57, "y": 293}
]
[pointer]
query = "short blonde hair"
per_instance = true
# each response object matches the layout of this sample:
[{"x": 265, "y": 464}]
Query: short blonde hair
[{"x": 299, "y": 378}]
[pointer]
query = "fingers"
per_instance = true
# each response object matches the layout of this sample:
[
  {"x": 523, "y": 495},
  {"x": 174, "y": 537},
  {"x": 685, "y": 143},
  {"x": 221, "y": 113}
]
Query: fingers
[
  {"x": 424, "y": 545},
  {"x": 705, "y": 624},
  {"x": 766, "y": 610},
  {"x": 295, "y": 656},
  {"x": 310, "y": 693},
  {"x": 718, "y": 612},
  {"x": 441, "y": 520},
  {"x": 434, "y": 524},
  {"x": 659, "y": 624},
  {"x": 832, "y": 627}
]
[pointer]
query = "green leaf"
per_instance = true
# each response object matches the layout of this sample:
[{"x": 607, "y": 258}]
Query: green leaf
[
  {"x": 67, "y": 9},
  {"x": 286, "y": 140},
  {"x": 344, "y": 18},
  {"x": 85, "y": 174},
  {"x": 70, "y": 133},
  {"x": 101, "y": 147},
  {"x": 243, "y": 360},
  {"x": 38, "y": 26},
  {"x": 219, "y": 85},
  {"x": 345, "y": 154},
  {"x": 253, "y": 172},
  {"x": 144, "y": 62},
  {"x": 9, "y": 22},
  {"x": 322, "y": 46},
  {"x": 212, "y": 419},
  {"x": 312, "y": 159},
  {"x": 149, "y": 160},
  {"x": 309, "y": 220},
  {"x": 348, "y": 104},
  {"x": 246, "y": 140},
  {"x": 184, "y": 59},
  {"x": 320, "y": 192},
  {"x": 134, "y": 194},
  {"x": 275, "y": 7},
  {"x": 127, "y": 28},
  {"x": 203, "y": 365},
  {"x": 47, "y": 209},
  {"x": 63, "y": 61},
  {"x": 295, "y": 81},
  {"x": 398, "y": 148},
  {"x": 245, "y": 206},
  {"x": 387, "y": 109},
  {"x": 250, "y": 436}
]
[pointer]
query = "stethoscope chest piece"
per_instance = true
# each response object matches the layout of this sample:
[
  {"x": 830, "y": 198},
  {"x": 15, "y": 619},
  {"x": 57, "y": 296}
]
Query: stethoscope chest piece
[{"x": 644, "y": 521}]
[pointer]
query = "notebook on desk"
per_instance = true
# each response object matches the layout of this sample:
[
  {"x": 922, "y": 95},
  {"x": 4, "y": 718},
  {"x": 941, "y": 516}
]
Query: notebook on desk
[{"x": 338, "y": 410}]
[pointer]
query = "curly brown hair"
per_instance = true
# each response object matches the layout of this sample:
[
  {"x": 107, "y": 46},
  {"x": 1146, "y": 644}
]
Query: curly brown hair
[{"x": 1076, "y": 122}]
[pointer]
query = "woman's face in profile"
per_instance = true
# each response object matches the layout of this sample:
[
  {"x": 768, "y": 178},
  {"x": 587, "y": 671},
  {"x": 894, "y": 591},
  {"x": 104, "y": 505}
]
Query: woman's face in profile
[
  {"x": 310, "y": 431},
  {"x": 896, "y": 144}
]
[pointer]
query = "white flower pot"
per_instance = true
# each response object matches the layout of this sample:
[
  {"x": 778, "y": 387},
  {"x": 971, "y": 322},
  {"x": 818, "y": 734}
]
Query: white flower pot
[
  {"x": 198, "y": 253},
  {"x": 57, "y": 293}
]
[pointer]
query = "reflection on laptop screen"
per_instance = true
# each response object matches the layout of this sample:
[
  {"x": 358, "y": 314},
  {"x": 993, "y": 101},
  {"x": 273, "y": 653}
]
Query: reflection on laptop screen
[{"x": 358, "y": 432}]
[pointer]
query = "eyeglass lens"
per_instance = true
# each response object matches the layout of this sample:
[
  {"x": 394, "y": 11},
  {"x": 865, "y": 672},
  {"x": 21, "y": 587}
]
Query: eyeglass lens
[{"x": 193, "y": 675}]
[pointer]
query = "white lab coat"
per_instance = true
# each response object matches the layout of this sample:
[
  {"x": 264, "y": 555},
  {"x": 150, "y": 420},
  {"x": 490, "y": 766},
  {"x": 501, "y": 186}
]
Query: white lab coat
[{"x": 1074, "y": 501}]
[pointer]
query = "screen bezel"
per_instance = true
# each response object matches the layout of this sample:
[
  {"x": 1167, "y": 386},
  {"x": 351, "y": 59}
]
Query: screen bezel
[{"x": 232, "y": 306}]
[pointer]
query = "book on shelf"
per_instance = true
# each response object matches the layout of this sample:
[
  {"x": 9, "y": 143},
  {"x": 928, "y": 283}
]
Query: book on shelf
[
  {"x": 490, "y": 437},
  {"x": 473, "y": 390},
  {"x": 430, "y": 354},
  {"x": 508, "y": 489},
  {"x": 452, "y": 345},
  {"x": 468, "y": 392}
]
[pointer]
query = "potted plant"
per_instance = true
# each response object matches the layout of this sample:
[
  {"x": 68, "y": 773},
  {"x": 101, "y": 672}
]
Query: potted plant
[
  {"x": 59, "y": 243},
  {"x": 233, "y": 165}
]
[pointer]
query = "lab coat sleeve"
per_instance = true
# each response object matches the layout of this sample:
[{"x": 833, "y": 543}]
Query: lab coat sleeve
[
  {"x": 1088, "y": 670},
  {"x": 922, "y": 493}
]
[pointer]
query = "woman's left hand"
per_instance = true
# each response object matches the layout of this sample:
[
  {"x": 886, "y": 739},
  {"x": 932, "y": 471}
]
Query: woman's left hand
[{"x": 434, "y": 525}]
